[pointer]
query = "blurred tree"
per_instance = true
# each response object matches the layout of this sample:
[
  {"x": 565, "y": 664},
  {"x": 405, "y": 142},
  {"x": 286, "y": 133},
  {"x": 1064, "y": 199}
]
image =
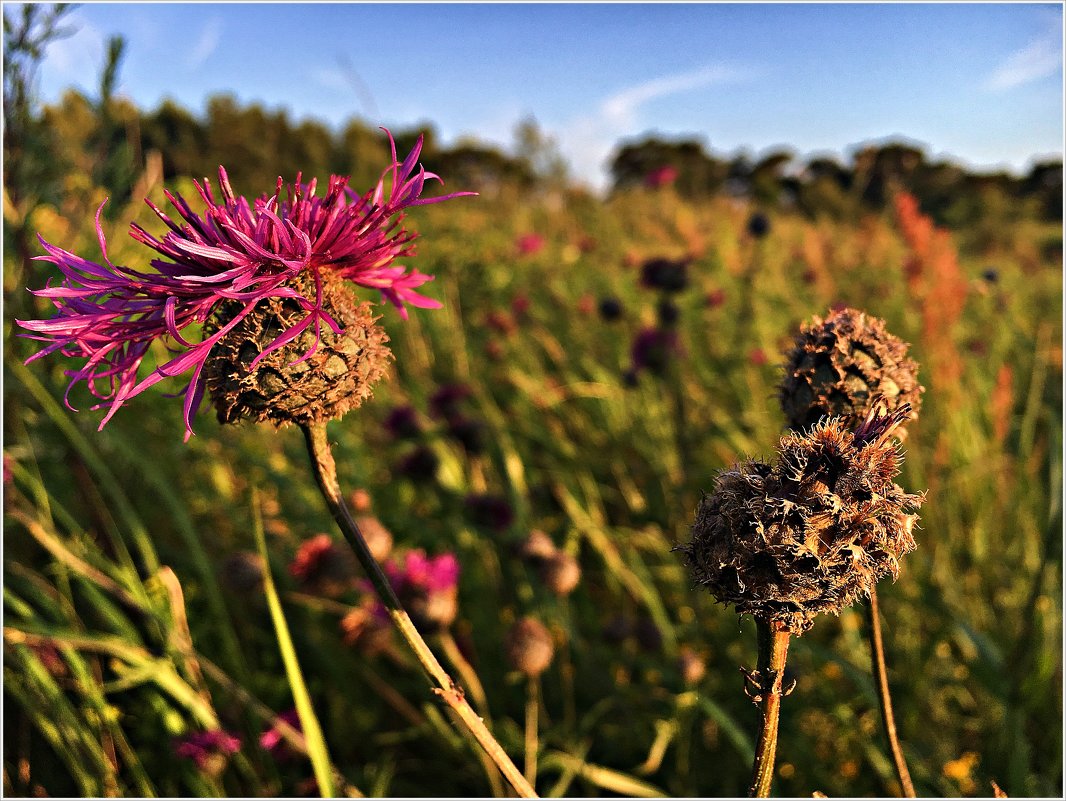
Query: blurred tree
[
  {"x": 698, "y": 174},
  {"x": 32, "y": 173},
  {"x": 538, "y": 153}
]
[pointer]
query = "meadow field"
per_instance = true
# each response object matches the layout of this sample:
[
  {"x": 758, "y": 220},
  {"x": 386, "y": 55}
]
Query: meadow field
[{"x": 150, "y": 649}]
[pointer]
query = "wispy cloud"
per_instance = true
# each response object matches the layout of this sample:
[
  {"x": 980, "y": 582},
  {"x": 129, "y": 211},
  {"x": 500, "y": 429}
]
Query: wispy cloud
[
  {"x": 1038, "y": 59},
  {"x": 206, "y": 45},
  {"x": 588, "y": 141},
  {"x": 622, "y": 107},
  {"x": 330, "y": 78}
]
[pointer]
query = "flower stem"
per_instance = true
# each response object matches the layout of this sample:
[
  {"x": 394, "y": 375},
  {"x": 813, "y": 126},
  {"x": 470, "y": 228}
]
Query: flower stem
[
  {"x": 532, "y": 705},
  {"x": 325, "y": 471},
  {"x": 773, "y": 650},
  {"x": 888, "y": 718}
]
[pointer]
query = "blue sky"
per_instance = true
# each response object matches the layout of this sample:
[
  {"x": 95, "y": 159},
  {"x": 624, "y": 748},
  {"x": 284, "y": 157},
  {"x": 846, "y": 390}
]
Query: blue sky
[{"x": 979, "y": 82}]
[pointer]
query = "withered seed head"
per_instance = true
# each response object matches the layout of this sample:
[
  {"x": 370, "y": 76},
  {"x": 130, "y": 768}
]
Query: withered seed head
[
  {"x": 337, "y": 377},
  {"x": 560, "y": 573},
  {"x": 813, "y": 531},
  {"x": 529, "y": 646},
  {"x": 839, "y": 366}
]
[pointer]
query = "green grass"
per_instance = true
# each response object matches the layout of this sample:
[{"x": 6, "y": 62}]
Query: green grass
[{"x": 973, "y": 624}]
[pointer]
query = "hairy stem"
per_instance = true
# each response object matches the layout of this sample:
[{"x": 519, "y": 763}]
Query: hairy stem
[
  {"x": 773, "y": 650},
  {"x": 325, "y": 471},
  {"x": 880, "y": 672}
]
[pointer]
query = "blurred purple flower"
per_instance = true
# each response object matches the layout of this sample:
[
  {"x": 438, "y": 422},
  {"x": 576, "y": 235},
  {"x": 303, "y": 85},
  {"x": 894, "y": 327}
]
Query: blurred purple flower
[
  {"x": 202, "y": 746},
  {"x": 490, "y": 511},
  {"x": 444, "y": 403},
  {"x": 272, "y": 740},
  {"x": 415, "y": 570},
  {"x": 402, "y": 423},
  {"x": 529, "y": 244},
  {"x": 110, "y": 315},
  {"x": 653, "y": 348}
]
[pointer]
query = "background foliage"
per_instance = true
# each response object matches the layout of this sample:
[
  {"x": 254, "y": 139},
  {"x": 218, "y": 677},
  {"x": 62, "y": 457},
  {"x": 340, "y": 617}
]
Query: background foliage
[{"x": 126, "y": 626}]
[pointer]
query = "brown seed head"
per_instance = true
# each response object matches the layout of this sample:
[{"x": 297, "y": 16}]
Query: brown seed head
[
  {"x": 839, "y": 366},
  {"x": 338, "y": 376},
  {"x": 529, "y": 646},
  {"x": 810, "y": 533},
  {"x": 560, "y": 573},
  {"x": 378, "y": 538}
]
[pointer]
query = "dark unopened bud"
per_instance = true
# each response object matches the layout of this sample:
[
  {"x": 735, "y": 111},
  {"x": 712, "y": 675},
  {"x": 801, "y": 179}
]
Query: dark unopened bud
[
  {"x": 665, "y": 274},
  {"x": 470, "y": 433},
  {"x": 529, "y": 647},
  {"x": 421, "y": 464},
  {"x": 653, "y": 349},
  {"x": 378, "y": 538},
  {"x": 841, "y": 365},
  {"x": 447, "y": 401},
  {"x": 758, "y": 225},
  {"x": 649, "y": 637},
  {"x": 285, "y": 387},
  {"x": 810, "y": 533},
  {"x": 561, "y": 573},
  {"x": 402, "y": 423},
  {"x": 242, "y": 572},
  {"x": 610, "y": 309},
  {"x": 492, "y": 512}
]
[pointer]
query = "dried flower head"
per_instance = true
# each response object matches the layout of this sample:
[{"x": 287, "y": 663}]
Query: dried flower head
[
  {"x": 560, "y": 573},
  {"x": 813, "y": 531},
  {"x": 378, "y": 538},
  {"x": 421, "y": 464},
  {"x": 758, "y": 225},
  {"x": 841, "y": 365},
  {"x": 324, "y": 566},
  {"x": 529, "y": 646},
  {"x": 242, "y": 572},
  {"x": 402, "y": 423},
  {"x": 282, "y": 259},
  {"x": 610, "y": 309}
]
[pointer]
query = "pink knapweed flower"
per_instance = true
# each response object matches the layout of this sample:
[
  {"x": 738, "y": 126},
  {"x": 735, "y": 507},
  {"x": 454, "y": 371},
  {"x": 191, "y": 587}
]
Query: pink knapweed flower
[
  {"x": 239, "y": 251},
  {"x": 428, "y": 588},
  {"x": 204, "y": 746},
  {"x": 528, "y": 244},
  {"x": 272, "y": 741}
]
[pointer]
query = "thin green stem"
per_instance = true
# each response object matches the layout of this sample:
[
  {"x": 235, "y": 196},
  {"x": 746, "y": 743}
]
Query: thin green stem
[
  {"x": 532, "y": 706},
  {"x": 773, "y": 650},
  {"x": 325, "y": 471},
  {"x": 888, "y": 717}
]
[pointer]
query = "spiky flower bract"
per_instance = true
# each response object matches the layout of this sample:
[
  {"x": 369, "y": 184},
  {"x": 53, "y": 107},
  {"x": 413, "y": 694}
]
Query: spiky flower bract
[
  {"x": 839, "y": 366},
  {"x": 235, "y": 255},
  {"x": 811, "y": 532}
]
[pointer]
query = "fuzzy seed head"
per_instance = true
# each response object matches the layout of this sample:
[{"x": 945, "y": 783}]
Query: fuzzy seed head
[
  {"x": 841, "y": 365},
  {"x": 529, "y": 647},
  {"x": 282, "y": 388},
  {"x": 811, "y": 532},
  {"x": 560, "y": 573}
]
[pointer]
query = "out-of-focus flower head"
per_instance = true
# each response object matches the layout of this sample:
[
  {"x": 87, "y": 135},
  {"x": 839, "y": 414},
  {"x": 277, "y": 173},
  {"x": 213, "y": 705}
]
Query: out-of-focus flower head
[
  {"x": 421, "y": 464},
  {"x": 529, "y": 244},
  {"x": 610, "y": 309},
  {"x": 520, "y": 304},
  {"x": 653, "y": 348},
  {"x": 235, "y": 254},
  {"x": 668, "y": 275},
  {"x": 715, "y": 298},
  {"x": 490, "y": 511},
  {"x": 470, "y": 433},
  {"x": 402, "y": 423},
  {"x": 446, "y": 402},
  {"x": 323, "y": 565},
  {"x": 428, "y": 587},
  {"x": 758, "y": 225},
  {"x": 208, "y": 749},
  {"x": 661, "y": 176},
  {"x": 273, "y": 741}
]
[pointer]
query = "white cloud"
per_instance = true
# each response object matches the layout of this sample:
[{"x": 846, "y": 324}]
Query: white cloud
[
  {"x": 206, "y": 45},
  {"x": 588, "y": 141},
  {"x": 1038, "y": 59}
]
